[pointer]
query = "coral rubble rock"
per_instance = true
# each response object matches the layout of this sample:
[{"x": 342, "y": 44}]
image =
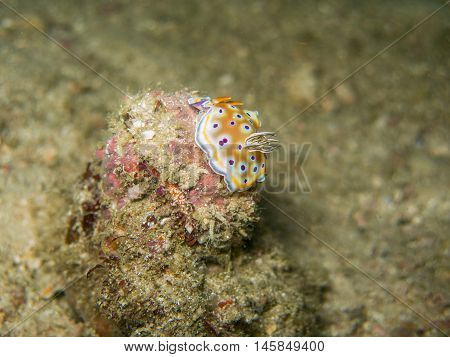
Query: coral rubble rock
[{"x": 157, "y": 246}]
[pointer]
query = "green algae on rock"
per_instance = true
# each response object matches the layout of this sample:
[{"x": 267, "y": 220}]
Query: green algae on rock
[{"x": 156, "y": 243}]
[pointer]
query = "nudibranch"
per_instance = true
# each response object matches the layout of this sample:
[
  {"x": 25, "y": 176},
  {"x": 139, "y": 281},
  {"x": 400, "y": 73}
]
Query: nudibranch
[{"x": 229, "y": 136}]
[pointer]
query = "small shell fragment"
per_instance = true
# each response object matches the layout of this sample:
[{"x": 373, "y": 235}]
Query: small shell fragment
[{"x": 148, "y": 134}]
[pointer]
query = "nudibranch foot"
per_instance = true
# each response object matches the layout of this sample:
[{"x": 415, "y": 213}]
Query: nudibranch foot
[{"x": 200, "y": 103}]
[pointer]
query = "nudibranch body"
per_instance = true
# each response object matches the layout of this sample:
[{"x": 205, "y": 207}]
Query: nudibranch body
[{"x": 229, "y": 136}]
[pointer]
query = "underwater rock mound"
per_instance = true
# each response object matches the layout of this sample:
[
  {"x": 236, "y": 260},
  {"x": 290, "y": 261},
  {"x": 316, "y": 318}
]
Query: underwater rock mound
[{"x": 157, "y": 246}]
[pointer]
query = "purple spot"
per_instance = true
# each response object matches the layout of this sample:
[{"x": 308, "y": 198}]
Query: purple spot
[
  {"x": 239, "y": 116},
  {"x": 263, "y": 165},
  {"x": 220, "y": 111},
  {"x": 231, "y": 162},
  {"x": 243, "y": 167},
  {"x": 221, "y": 143},
  {"x": 224, "y": 140},
  {"x": 239, "y": 147},
  {"x": 215, "y": 125},
  {"x": 231, "y": 122},
  {"x": 246, "y": 127},
  {"x": 252, "y": 158},
  {"x": 245, "y": 180},
  {"x": 255, "y": 168}
]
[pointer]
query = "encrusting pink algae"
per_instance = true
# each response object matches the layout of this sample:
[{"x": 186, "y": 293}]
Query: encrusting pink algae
[{"x": 158, "y": 246}]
